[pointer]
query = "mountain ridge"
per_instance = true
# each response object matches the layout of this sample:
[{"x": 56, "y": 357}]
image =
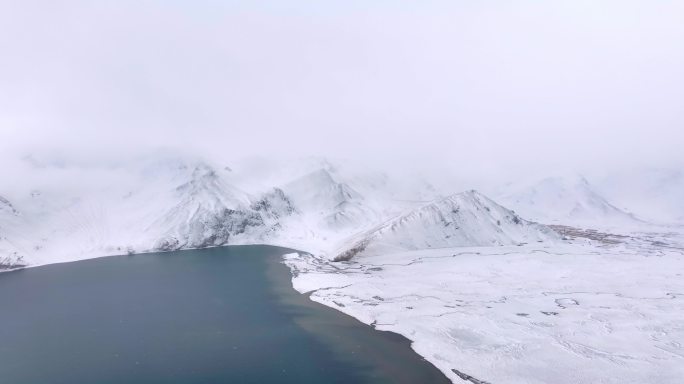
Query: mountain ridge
[
  {"x": 570, "y": 200},
  {"x": 462, "y": 219}
]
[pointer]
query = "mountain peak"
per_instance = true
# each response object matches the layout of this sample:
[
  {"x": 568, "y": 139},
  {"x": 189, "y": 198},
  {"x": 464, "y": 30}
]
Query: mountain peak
[
  {"x": 319, "y": 190},
  {"x": 320, "y": 174},
  {"x": 464, "y": 219},
  {"x": 566, "y": 200}
]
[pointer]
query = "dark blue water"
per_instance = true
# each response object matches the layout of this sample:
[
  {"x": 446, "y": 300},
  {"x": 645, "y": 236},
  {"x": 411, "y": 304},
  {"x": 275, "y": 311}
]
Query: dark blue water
[{"x": 221, "y": 315}]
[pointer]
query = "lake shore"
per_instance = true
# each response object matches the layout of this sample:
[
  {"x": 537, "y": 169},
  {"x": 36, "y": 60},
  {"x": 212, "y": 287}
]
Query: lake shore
[{"x": 227, "y": 313}]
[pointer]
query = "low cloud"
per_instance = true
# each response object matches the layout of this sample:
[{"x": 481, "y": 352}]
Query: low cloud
[{"x": 478, "y": 88}]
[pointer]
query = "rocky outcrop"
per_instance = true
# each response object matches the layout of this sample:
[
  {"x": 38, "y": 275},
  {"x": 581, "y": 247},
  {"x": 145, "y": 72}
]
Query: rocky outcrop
[{"x": 274, "y": 205}]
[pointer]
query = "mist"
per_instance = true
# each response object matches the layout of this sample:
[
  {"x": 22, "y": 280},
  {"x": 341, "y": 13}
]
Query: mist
[
  {"x": 494, "y": 189},
  {"x": 477, "y": 88}
]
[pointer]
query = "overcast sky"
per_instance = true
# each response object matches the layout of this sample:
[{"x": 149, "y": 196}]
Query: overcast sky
[{"x": 484, "y": 85}]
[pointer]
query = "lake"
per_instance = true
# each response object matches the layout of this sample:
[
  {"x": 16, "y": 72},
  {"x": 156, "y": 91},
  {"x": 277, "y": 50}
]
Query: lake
[{"x": 219, "y": 315}]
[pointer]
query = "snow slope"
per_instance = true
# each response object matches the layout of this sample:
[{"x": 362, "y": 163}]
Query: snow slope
[
  {"x": 566, "y": 200},
  {"x": 331, "y": 204},
  {"x": 206, "y": 212},
  {"x": 534, "y": 314},
  {"x": 274, "y": 205},
  {"x": 71, "y": 211},
  {"x": 161, "y": 203},
  {"x": 10, "y": 256},
  {"x": 653, "y": 193},
  {"x": 150, "y": 206},
  {"x": 6, "y": 208},
  {"x": 464, "y": 219}
]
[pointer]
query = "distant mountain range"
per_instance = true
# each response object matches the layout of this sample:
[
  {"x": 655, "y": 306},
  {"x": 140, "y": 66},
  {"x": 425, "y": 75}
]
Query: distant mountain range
[
  {"x": 653, "y": 193},
  {"x": 570, "y": 200},
  {"x": 162, "y": 204}
]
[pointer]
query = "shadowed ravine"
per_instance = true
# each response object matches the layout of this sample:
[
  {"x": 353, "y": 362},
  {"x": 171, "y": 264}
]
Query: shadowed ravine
[{"x": 216, "y": 315}]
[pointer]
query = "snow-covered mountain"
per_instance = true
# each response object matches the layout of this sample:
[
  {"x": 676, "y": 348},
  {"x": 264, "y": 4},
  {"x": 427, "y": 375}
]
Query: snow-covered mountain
[
  {"x": 654, "y": 193},
  {"x": 69, "y": 211},
  {"x": 152, "y": 206},
  {"x": 274, "y": 205},
  {"x": 464, "y": 219},
  {"x": 334, "y": 205},
  {"x": 206, "y": 212},
  {"x": 168, "y": 203},
  {"x": 10, "y": 256},
  {"x": 162, "y": 203},
  {"x": 565, "y": 200}
]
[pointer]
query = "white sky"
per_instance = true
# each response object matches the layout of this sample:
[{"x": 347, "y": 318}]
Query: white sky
[{"x": 480, "y": 86}]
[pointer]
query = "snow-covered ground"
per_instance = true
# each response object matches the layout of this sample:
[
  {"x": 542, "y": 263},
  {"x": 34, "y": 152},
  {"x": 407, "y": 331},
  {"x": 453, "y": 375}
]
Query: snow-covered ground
[{"x": 579, "y": 312}]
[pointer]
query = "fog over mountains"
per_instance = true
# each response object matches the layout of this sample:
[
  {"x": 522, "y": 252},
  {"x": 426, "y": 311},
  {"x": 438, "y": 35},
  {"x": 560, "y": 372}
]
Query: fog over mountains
[
  {"x": 566, "y": 200},
  {"x": 66, "y": 211},
  {"x": 501, "y": 182},
  {"x": 445, "y": 97}
]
